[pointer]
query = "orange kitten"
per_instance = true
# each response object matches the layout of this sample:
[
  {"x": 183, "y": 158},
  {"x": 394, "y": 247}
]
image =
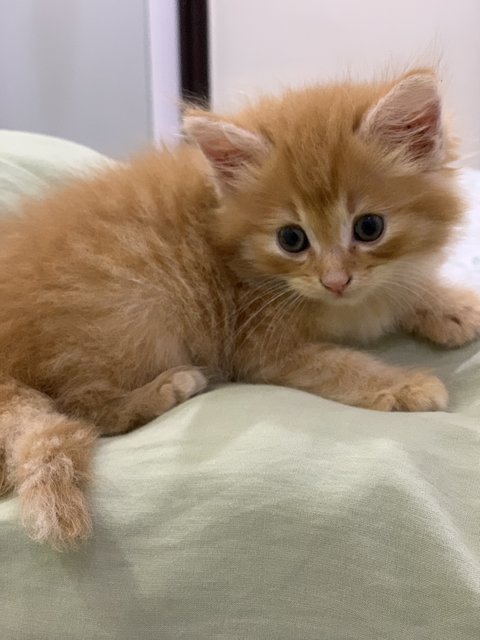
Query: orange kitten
[{"x": 313, "y": 218}]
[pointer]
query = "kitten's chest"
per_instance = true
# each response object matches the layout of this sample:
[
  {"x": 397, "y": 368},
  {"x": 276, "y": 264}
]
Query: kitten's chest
[{"x": 364, "y": 323}]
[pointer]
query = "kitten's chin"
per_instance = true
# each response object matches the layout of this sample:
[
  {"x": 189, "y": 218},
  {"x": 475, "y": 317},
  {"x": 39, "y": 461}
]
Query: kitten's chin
[{"x": 348, "y": 299}]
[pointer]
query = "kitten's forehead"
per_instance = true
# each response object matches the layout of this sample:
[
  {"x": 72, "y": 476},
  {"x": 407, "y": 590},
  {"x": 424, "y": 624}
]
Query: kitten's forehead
[
  {"x": 328, "y": 225},
  {"x": 325, "y": 161}
]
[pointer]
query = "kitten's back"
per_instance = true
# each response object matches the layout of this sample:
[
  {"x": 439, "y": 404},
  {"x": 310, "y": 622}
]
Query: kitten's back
[{"x": 91, "y": 272}]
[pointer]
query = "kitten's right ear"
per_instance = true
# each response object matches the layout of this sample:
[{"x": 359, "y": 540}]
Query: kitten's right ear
[{"x": 231, "y": 151}]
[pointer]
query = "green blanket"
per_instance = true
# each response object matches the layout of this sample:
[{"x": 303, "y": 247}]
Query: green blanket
[{"x": 260, "y": 513}]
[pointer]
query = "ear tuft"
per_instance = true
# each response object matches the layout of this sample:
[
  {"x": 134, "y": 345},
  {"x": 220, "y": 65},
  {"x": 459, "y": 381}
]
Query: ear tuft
[
  {"x": 408, "y": 122},
  {"x": 231, "y": 150}
]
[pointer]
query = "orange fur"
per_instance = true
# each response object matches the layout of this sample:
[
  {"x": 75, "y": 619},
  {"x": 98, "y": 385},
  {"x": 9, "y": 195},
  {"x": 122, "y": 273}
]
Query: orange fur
[{"x": 124, "y": 295}]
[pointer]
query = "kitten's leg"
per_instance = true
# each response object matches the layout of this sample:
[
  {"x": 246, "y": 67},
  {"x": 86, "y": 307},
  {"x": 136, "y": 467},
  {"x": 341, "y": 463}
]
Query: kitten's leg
[
  {"x": 355, "y": 378},
  {"x": 48, "y": 459},
  {"x": 5, "y": 482},
  {"x": 167, "y": 390},
  {"x": 448, "y": 315},
  {"x": 117, "y": 411}
]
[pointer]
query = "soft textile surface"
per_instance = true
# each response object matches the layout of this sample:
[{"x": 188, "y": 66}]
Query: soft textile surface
[
  {"x": 264, "y": 513},
  {"x": 30, "y": 163}
]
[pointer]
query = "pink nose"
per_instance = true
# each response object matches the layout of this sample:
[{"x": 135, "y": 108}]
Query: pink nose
[{"x": 336, "y": 282}]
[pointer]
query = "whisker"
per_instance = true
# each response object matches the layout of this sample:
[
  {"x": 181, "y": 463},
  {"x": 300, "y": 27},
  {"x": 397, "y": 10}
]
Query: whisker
[
  {"x": 283, "y": 309},
  {"x": 297, "y": 303},
  {"x": 260, "y": 291},
  {"x": 255, "y": 315}
]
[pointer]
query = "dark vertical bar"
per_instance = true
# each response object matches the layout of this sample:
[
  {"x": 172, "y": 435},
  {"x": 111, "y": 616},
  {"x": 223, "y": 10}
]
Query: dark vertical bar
[{"x": 194, "y": 55}]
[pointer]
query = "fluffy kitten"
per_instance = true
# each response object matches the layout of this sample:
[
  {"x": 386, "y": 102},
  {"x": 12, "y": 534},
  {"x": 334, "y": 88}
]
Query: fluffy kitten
[{"x": 312, "y": 218}]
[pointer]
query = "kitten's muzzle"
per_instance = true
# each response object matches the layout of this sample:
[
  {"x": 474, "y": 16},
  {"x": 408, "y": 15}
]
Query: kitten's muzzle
[{"x": 337, "y": 283}]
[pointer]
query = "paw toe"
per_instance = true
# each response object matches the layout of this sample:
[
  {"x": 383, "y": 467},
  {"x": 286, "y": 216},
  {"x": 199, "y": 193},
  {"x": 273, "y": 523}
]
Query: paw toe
[
  {"x": 421, "y": 393},
  {"x": 188, "y": 383}
]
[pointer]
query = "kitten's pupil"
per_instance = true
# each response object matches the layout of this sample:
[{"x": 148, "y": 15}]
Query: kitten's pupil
[
  {"x": 293, "y": 239},
  {"x": 368, "y": 228}
]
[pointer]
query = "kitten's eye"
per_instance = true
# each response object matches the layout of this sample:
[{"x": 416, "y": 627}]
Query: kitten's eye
[
  {"x": 368, "y": 228},
  {"x": 293, "y": 239}
]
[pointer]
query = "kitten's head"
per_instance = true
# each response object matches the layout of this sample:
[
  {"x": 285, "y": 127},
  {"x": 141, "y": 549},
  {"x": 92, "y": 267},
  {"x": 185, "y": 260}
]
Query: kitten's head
[{"x": 337, "y": 190}]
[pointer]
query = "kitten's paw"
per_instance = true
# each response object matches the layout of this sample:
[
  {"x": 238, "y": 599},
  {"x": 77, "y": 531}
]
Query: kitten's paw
[
  {"x": 169, "y": 389},
  {"x": 461, "y": 325},
  {"x": 176, "y": 385},
  {"x": 453, "y": 326},
  {"x": 55, "y": 512},
  {"x": 415, "y": 391},
  {"x": 188, "y": 382}
]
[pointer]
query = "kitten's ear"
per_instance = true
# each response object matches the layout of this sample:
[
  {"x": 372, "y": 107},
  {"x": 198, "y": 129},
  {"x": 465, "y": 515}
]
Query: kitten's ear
[
  {"x": 231, "y": 151},
  {"x": 408, "y": 122}
]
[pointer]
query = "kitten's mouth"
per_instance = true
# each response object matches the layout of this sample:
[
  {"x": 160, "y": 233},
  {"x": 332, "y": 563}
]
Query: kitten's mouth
[
  {"x": 337, "y": 294},
  {"x": 339, "y": 298},
  {"x": 347, "y": 297},
  {"x": 327, "y": 297}
]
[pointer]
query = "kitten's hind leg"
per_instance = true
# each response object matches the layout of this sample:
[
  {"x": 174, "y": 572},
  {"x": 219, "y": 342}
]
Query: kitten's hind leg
[
  {"x": 118, "y": 412},
  {"x": 167, "y": 390},
  {"x": 48, "y": 459},
  {"x": 6, "y": 484}
]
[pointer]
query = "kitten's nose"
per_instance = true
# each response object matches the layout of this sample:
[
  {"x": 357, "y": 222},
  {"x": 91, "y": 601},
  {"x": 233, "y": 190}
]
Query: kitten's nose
[{"x": 336, "y": 282}]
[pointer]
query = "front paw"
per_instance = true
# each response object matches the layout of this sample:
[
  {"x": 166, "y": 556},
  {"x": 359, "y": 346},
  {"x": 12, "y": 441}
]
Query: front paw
[
  {"x": 451, "y": 322},
  {"x": 412, "y": 391}
]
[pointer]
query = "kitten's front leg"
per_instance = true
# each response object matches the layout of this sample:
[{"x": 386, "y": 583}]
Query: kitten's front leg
[
  {"x": 446, "y": 315},
  {"x": 355, "y": 378}
]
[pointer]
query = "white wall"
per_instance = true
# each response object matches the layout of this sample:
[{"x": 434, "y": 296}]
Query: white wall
[
  {"x": 82, "y": 69},
  {"x": 165, "y": 69},
  {"x": 262, "y": 45}
]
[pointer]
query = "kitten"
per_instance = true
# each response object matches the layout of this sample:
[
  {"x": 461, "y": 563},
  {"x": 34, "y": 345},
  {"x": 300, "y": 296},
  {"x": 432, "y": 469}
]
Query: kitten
[{"x": 306, "y": 220}]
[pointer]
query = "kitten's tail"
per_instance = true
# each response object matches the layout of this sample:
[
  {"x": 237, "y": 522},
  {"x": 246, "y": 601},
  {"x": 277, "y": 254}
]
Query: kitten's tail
[{"x": 46, "y": 456}]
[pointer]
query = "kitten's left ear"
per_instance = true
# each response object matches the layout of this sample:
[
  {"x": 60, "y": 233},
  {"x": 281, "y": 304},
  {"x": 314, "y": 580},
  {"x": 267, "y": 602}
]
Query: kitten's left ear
[
  {"x": 232, "y": 151},
  {"x": 407, "y": 122}
]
